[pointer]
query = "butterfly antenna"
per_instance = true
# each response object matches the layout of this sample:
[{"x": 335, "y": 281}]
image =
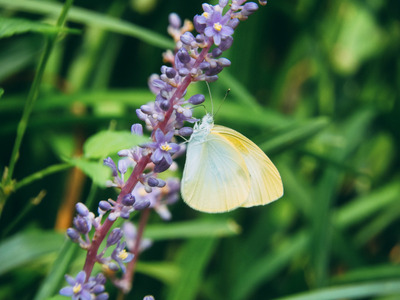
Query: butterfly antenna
[
  {"x": 226, "y": 95},
  {"x": 212, "y": 103}
]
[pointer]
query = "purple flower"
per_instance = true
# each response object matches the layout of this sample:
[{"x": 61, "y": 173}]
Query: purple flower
[
  {"x": 162, "y": 147},
  {"x": 130, "y": 234},
  {"x": 217, "y": 28},
  {"x": 121, "y": 256},
  {"x": 78, "y": 289}
]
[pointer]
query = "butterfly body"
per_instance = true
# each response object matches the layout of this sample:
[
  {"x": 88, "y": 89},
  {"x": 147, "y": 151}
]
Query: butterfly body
[{"x": 225, "y": 170}]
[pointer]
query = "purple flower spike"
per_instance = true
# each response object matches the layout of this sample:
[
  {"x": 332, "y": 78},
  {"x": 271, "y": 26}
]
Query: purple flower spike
[{"x": 148, "y": 298}]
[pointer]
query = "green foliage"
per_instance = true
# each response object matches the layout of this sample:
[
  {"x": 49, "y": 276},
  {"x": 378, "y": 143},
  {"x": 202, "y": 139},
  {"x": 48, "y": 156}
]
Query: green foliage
[
  {"x": 13, "y": 26},
  {"x": 314, "y": 83},
  {"x": 106, "y": 143}
]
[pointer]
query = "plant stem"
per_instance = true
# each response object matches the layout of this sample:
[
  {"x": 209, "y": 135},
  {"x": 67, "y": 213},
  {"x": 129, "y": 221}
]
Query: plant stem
[
  {"x": 102, "y": 231},
  {"x": 32, "y": 97},
  {"x": 41, "y": 174},
  {"x": 34, "y": 91},
  {"x": 130, "y": 268}
]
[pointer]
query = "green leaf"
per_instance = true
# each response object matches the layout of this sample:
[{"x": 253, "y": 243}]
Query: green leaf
[
  {"x": 93, "y": 169},
  {"x": 13, "y": 26},
  {"x": 193, "y": 259},
  {"x": 27, "y": 247},
  {"x": 369, "y": 273},
  {"x": 166, "y": 272},
  {"x": 106, "y": 143},
  {"x": 361, "y": 208},
  {"x": 374, "y": 288},
  {"x": 295, "y": 135},
  {"x": 268, "y": 266},
  {"x": 60, "y": 266},
  {"x": 90, "y": 18},
  {"x": 198, "y": 228}
]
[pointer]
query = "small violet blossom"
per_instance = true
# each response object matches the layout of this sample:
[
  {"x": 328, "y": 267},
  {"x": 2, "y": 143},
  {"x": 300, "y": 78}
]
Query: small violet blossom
[{"x": 78, "y": 289}]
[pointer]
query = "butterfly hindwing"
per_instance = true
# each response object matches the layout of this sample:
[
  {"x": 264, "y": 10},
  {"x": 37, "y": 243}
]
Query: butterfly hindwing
[{"x": 266, "y": 183}]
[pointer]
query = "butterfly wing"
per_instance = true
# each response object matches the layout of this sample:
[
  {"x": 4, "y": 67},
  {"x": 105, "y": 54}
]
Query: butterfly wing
[
  {"x": 215, "y": 178},
  {"x": 266, "y": 183}
]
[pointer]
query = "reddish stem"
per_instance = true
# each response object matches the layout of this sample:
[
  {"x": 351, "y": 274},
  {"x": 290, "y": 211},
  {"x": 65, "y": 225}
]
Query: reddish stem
[
  {"x": 102, "y": 231},
  {"x": 130, "y": 268}
]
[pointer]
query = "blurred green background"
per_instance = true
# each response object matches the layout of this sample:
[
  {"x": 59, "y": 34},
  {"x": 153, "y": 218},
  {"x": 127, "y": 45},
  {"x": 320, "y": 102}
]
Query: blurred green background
[{"x": 314, "y": 83}]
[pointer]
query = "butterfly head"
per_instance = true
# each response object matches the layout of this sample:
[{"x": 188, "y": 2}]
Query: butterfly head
[{"x": 203, "y": 128}]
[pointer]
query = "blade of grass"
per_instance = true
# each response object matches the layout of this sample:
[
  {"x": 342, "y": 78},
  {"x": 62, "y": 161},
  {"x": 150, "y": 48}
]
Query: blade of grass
[
  {"x": 294, "y": 135},
  {"x": 268, "y": 266},
  {"x": 90, "y": 18},
  {"x": 365, "y": 206},
  {"x": 353, "y": 133},
  {"x": 30, "y": 102},
  {"x": 198, "y": 228},
  {"x": 354, "y": 291},
  {"x": 193, "y": 259}
]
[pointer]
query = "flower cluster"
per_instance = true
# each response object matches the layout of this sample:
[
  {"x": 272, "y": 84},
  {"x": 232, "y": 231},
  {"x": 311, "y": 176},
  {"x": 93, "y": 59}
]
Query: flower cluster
[
  {"x": 80, "y": 288},
  {"x": 197, "y": 57}
]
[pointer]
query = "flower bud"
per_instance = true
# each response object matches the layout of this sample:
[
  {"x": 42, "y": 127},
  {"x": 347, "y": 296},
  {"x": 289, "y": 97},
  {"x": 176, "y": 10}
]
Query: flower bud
[
  {"x": 224, "y": 62},
  {"x": 187, "y": 38},
  {"x": 140, "y": 205},
  {"x": 110, "y": 163},
  {"x": 170, "y": 72},
  {"x": 183, "y": 55},
  {"x": 216, "y": 52},
  {"x": 114, "y": 237},
  {"x": 128, "y": 200},
  {"x": 82, "y": 209},
  {"x": 197, "y": 99},
  {"x": 104, "y": 205},
  {"x": 152, "y": 181},
  {"x": 146, "y": 109},
  {"x": 174, "y": 20},
  {"x": 73, "y": 234},
  {"x": 82, "y": 225},
  {"x": 164, "y": 105},
  {"x": 137, "y": 129},
  {"x": 226, "y": 43},
  {"x": 185, "y": 131}
]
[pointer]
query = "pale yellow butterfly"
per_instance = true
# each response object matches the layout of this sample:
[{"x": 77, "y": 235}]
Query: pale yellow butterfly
[{"x": 225, "y": 170}]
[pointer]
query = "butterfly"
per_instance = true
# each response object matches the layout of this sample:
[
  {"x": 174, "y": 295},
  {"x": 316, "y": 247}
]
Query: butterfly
[{"x": 224, "y": 170}]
